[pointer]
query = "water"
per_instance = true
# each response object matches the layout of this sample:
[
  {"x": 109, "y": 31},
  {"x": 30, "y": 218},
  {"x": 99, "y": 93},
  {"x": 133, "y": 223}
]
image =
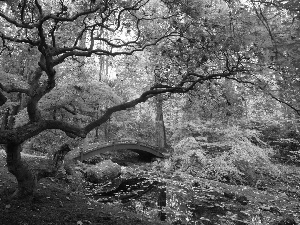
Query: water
[{"x": 172, "y": 201}]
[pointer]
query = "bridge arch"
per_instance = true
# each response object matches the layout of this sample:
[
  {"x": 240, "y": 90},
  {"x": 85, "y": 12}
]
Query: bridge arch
[{"x": 140, "y": 148}]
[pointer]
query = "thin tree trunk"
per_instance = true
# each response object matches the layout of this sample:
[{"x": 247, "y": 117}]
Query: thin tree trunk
[
  {"x": 106, "y": 67},
  {"x": 162, "y": 203},
  {"x": 14, "y": 112},
  {"x": 97, "y": 128},
  {"x": 101, "y": 66},
  {"x": 4, "y": 123},
  {"x": 160, "y": 125},
  {"x": 159, "y": 120},
  {"x": 97, "y": 133},
  {"x": 106, "y": 126}
]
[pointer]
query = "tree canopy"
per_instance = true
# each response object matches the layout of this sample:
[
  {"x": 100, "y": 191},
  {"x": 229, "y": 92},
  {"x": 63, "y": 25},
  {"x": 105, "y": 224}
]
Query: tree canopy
[{"x": 233, "y": 59}]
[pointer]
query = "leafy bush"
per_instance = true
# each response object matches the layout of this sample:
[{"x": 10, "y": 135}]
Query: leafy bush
[
  {"x": 46, "y": 142},
  {"x": 188, "y": 153},
  {"x": 238, "y": 158},
  {"x": 49, "y": 142},
  {"x": 283, "y": 136}
]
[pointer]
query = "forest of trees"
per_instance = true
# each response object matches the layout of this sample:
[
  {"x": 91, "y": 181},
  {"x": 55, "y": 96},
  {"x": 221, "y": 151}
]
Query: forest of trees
[{"x": 168, "y": 72}]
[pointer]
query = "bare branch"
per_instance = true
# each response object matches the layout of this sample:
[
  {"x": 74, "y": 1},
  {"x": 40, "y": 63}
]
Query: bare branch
[
  {"x": 69, "y": 19},
  {"x": 155, "y": 90},
  {"x": 72, "y": 111},
  {"x": 19, "y": 40},
  {"x": 23, "y": 133},
  {"x": 39, "y": 7},
  {"x": 34, "y": 128},
  {"x": 297, "y": 110},
  {"x": 69, "y": 52},
  {"x": 14, "y": 22},
  {"x": 13, "y": 89},
  {"x": 23, "y": 10}
]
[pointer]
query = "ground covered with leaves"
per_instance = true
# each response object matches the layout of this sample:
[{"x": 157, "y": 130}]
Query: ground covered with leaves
[
  {"x": 196, "y": 200},
  {"x": 56, "y": 203},
  {"x": 203, "y": 201}
]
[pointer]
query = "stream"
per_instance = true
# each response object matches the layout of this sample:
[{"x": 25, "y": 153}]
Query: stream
[
  {"x": 171, "y": 201},
  {"x": 191, "y": 201}
]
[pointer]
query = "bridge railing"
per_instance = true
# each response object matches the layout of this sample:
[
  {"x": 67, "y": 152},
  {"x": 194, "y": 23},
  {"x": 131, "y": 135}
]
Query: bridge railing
[
  {"x": 133, "y": 141},
  {"x": 93, "y": 146},
  {"x": 80, "y": 151}
]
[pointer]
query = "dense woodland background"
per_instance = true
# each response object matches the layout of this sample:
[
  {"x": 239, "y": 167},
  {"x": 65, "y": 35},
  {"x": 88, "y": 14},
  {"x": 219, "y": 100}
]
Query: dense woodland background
[{"x": 213, "y": 83}]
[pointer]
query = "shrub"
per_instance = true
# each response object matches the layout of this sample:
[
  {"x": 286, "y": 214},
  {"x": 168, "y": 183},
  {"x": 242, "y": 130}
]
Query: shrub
[{"x": 241, "y": 160}]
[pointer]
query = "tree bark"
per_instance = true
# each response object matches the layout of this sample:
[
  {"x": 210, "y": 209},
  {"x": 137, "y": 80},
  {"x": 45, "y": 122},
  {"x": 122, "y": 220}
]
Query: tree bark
[
  {"x": 162, "y": 203},
  {"x": 27, "y": 180},
  {"x": 106, "y": 130},
  {"x": 159, "y": 120},
  {"x": 29, "y": 171},
  {"x": 4, "y": 123},
  {"x": 160, "y": 125},
  {"x": 13, "y": 113}
]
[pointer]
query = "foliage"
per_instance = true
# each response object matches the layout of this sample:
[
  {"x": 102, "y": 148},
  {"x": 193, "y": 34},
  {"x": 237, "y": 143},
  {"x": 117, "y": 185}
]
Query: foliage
[
  {"x": 79, "y": 102},
  {"x": 214, "y": 150},
  {"x": 136, "y": 125},
  {"x": 229, "y": 56},
  {"x": 12, "y": 79}
]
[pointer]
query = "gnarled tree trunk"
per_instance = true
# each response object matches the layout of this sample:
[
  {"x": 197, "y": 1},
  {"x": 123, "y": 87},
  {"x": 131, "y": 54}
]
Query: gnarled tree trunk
[
  {"x": 26, "y": 178},
  {"x": 31, "y": 169}
]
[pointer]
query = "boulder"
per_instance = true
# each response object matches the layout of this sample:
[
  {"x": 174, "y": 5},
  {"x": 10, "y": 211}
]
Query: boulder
[{"x": 102, "y": 172}]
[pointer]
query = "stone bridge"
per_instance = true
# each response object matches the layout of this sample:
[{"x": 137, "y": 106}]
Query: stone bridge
[{"x": 141, "y": 148}]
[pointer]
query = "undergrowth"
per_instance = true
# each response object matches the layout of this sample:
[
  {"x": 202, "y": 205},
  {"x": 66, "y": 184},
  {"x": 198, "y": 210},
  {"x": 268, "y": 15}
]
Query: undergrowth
[{"x": 221, "y": 152}]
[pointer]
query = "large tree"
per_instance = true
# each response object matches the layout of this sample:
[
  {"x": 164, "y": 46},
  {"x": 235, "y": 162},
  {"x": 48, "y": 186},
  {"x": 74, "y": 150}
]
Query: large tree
[{"x": 49, "y": 34}]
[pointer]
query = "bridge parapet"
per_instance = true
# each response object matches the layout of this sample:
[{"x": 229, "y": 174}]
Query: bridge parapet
[
  {"x": 133, "y": 141},
  {"x": 80, "y": 151}
]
